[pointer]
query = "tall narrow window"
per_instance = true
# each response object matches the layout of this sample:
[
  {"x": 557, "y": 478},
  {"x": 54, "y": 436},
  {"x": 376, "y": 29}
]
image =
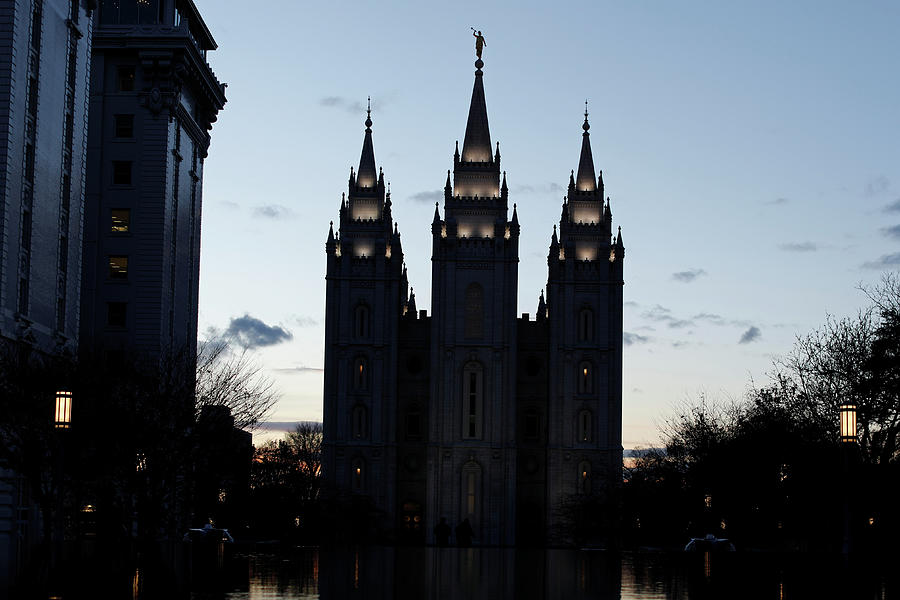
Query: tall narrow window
[
  {"x": 586, "y": 325},
  {"x": 584, "y": 477},
  {"x": 474, "y": 311},
  {"x": 585, "y": 378},
  {"x": 361, "y": 322},
  {"x": 359, "y": 422},
  {"x": 471, "y": 493},
  {"x": 360, "y": 375},
  {"x": 358, "y": 475},
  {"x": 585, "y": 426},
  {"x": 472, "y": 401}
]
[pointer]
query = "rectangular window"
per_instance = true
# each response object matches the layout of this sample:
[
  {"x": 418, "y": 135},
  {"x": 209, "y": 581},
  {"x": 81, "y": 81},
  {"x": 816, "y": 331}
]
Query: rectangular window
[
  {"x": 125, "y": 78},
  {"x": 121, "y": 172},
  {"x": 120, "y": 220},
  {"x": 124, "y": 126},
  {"x": 118, "y": 267},
  {"x": 473, "y": 403},
  {"x": 116, "y": 313}
]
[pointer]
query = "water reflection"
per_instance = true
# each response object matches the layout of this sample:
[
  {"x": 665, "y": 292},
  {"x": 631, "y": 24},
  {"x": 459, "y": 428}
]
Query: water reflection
[{"x": 474, "y": 573}]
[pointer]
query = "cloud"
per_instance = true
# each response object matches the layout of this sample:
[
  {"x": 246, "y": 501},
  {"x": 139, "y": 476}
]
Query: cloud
[
  {"x": 798, "y": 247},
  {"x": 250, "y": 332},
  {"x": 688, "y": 276},
  {"x": 885, "y": 261},
  {"x": 637, "y": 390},
  {"x": 302, "y": 321},
  {"x": 710, "y": 318},
  {"x": 893, "y": 231},
  {"x": 538, "y": 188},
  {"x": 680, "y": 344},
  {"x": 893, "y": 206},
  {"x": 658, "y": 313},
  {"x": 340, "y": 102},
  {"x": 876, "y": 186},
  {"x": 630, "y": 303},
  {"x": 664, "y": 315},
  {"x": 229, "y": 204},
  {"x": 429, "y": 196},
  {"x": 633, "y": 338},
  {"x": 273, "y": 211},
  {"x": 299, "y": 369},
  {"x": 751, "y": 335},
  {"x": 776, "y": 202}
]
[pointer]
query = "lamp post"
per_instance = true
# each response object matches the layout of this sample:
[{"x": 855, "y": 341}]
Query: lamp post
[{"x": 847, "y": 412}]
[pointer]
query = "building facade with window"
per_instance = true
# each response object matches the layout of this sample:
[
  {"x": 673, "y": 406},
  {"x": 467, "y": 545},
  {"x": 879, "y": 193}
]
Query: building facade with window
[
  {"x": 473, "y": 412},
  {"x": 44, "y": 63},
  {"x": 153, "y": 101}
]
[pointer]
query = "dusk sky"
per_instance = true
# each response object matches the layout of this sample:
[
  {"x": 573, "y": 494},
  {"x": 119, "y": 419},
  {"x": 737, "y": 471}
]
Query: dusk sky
[{"x": 751, "y": 154}]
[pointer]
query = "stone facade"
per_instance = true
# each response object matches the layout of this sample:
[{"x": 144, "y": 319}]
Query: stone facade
[
  {"x": 153, "y": 101},
  {"x": 44, "y": 62},
  {"x": 473, "y": 413}
]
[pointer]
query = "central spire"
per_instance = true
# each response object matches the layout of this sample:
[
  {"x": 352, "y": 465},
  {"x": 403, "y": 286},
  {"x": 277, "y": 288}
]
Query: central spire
[
  {"x": 586, "y": 182},
  {"x": 477, "y": 143},
  {"x": 367, "y": 176}
]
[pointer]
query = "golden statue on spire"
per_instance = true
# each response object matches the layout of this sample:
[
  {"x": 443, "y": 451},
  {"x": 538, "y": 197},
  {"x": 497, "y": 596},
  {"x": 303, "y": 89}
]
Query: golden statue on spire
[{"x": 479, "y": 42}]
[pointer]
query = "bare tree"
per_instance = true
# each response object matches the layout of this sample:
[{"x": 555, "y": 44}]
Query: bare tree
[{"x": 233, "y": 380}]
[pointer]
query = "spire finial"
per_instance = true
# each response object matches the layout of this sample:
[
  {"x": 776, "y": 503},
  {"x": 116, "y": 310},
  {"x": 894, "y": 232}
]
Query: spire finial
[
  {"x": 369, "y": 114},
  {"x": 586, "y": 125}
]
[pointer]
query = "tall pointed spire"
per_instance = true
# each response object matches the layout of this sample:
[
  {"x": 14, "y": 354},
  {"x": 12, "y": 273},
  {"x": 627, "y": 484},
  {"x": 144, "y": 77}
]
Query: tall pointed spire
[
  {"x": 477, "y": 143},
  {"x": 586, "y": 181},
  {"x": 367, "y": 175}
]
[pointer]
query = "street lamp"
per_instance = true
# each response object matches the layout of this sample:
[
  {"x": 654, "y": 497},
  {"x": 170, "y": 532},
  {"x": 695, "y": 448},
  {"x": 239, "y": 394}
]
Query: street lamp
[
  {"x": 848, "y": 422},
  {"x": 63, "y": 413},
  {"x": 847, "y": 412}
]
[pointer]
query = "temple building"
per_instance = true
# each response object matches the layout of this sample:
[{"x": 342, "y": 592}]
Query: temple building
[{"x": 474, "y": 412}]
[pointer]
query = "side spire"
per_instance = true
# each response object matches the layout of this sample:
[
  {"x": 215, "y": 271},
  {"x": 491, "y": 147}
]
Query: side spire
[
  {"x": 477, "y": 143},
  {"x": 586, "y": 181},
  {"x": 367, "y": 175}
]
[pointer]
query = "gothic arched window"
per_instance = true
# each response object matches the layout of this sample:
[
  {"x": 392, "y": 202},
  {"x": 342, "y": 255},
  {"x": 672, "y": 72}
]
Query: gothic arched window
[
  {"x": 474, "y": 311},
  {"x": 471, "y": 492},
  {"x": 585, "y": 426},
  {"x": 358, "y": 475},
  {"x": 472, "y": 400},
  {"x": 585, "y": 378},
  {"x": 361, "y": 322},
  {"x": 358, "y": 422},
  {"x": 360, "y": 375},
  {"x": 584, "y": 477},
  {"x": 586, "y": 325}
]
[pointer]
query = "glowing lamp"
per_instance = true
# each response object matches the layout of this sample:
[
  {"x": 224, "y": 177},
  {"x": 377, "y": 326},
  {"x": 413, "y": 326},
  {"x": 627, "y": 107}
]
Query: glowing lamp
[
  {"x": 63, "y": 413},
  {"x": 847, "y": 412}
]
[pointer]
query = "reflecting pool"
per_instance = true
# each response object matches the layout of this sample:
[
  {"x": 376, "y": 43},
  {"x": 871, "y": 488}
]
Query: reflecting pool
[
  {"x": 491, "y": 573},
  {"x": 272, "y": 572}
]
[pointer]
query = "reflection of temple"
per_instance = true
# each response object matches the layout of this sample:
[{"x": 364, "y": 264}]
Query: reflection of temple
[
  {"x": 473, "y": 412},
  {"x": 468, "y": 573}
]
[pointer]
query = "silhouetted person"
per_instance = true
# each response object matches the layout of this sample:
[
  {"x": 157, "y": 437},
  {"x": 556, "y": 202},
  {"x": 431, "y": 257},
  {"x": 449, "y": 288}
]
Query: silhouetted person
[
  {"x": 442, "y": 533},
  {"x": 464, "y": 534}
]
